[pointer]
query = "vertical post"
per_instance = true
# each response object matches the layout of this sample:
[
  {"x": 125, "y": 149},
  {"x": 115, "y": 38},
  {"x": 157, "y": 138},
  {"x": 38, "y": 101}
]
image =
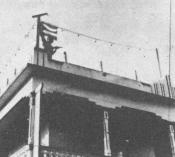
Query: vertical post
[
  {"x": 136, "y": 75},
  {"x": 101, "y": 65},
  {"x": 36, "y": 141},
  {"x": 65, "y": 56},
  {"x": 168, "y": 81},
  {"x": 170, "y": 43},
  {"x": 158, "y": 62},
  {"x": 31, "y": 122},
  {"x": 172, "y": 140},
  {"x": 37, "y": 33},
  {"x": 38, "y": 22},
  {"x": 107, "y": 148},
  {"x": 31, "y": 118}
]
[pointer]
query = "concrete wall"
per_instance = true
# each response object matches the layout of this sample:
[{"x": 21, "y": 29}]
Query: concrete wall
[
  {"x": 41, "y": 58},
  {"x": 45, "y": 135},
  {"x": 60, "y": 140},
  {"x": 23, "y": 92},
  {"x": 104, "y": 95},
  {"x": 142, "y": 151},
  {"x": 107, "y": 95},
  {"x": 51, "y": 136}
]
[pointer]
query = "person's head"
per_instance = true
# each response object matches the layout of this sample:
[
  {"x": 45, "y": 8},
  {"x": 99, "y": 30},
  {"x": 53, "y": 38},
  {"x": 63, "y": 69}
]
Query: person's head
[{"x": 50, "y": 39}]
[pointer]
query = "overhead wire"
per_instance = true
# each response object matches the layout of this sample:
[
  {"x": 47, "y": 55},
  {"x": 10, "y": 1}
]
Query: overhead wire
[
  {"x": 139, "y": 48},
  {"x": 14, "y": 54},
  {"x": 27, "y": 34},
  {"x": 83, "y": 35},
  {"x": 105, "y": 41}
]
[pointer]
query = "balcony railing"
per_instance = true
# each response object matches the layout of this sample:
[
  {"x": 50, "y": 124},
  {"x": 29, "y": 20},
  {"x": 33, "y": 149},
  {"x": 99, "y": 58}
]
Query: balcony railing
[{"x": 49, "y": 152}]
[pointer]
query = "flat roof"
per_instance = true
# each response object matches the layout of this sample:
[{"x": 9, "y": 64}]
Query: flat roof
[{"x": 75, "y": 71}]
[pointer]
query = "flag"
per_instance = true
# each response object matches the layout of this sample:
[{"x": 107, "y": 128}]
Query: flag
[{"x": 48, "y": 29}]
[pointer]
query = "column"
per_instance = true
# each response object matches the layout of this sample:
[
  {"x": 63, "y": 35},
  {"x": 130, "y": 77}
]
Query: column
[
  {"x": 107, "y": 148},
  {"x": 36, "y": 138},
  {"x": 31, "y": 118}
]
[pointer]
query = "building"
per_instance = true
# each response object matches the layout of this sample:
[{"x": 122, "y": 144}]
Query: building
[{"x": 57, "y": 109}]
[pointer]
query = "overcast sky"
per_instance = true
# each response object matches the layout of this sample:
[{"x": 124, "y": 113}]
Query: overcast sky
[{"x": 137, "y": 27}]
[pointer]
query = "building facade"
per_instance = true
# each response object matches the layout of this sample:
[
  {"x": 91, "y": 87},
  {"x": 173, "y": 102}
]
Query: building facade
[{"x": 57, "y": 109}]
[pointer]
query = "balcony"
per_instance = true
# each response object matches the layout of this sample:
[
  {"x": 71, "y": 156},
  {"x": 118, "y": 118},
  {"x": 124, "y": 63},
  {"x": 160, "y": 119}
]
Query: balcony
[
  {"x": 49, "y": 152},
  {"x": 54, "y": 152}
]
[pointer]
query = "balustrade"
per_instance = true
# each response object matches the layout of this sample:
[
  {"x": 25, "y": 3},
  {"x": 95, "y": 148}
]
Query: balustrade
[{"x": 49, "y": 153}]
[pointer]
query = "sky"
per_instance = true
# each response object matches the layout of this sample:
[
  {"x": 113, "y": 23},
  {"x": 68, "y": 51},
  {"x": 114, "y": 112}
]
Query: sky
[{"x": 137, "y": 27}]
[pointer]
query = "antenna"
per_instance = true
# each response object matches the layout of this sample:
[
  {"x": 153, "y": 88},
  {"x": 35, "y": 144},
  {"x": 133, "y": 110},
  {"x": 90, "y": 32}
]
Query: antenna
[
  {"x": 169, "y": 61},
  {"x": 157, "y": 52},
  {"x": 170, "y": 43},
  {"x": 38, "y": 22}
]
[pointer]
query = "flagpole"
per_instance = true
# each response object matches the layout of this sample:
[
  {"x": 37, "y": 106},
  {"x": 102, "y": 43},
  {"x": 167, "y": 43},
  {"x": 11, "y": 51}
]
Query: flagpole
[{"x": 38, "y": 22}]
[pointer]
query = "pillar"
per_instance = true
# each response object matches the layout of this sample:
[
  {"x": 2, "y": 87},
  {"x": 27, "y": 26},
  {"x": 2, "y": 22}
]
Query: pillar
[
  {"x": 31, "y": 118},
  {"x": 31, "y": 122},
  {"x": 107, "y": 148},
  {"x": 34, "y": 122},
  {"x": 36, "y": 139}
]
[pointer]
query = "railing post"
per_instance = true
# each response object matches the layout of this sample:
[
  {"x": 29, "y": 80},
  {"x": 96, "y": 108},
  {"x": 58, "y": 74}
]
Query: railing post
[
  {"x": 172, "y": 141},
  {"x": 107, "y": 148}
]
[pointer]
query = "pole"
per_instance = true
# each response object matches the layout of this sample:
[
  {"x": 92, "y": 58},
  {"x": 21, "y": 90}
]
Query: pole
[
  {"x": 38, "y": 22},
  {"x": 101, "y": 65},
  {"x": 136, "y": 75},
  {"x": 170, "y": 43},
  {"x": 158, "y": 62},
  {"x": 65, "y": 56}
]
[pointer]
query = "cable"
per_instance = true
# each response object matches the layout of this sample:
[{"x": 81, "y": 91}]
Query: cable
[
  {"x": 170, "y": 42},
  {"x": 106, "y": 41},
  {"x": 18, "y": 48},
  {"x": 27, "y": 34}
]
